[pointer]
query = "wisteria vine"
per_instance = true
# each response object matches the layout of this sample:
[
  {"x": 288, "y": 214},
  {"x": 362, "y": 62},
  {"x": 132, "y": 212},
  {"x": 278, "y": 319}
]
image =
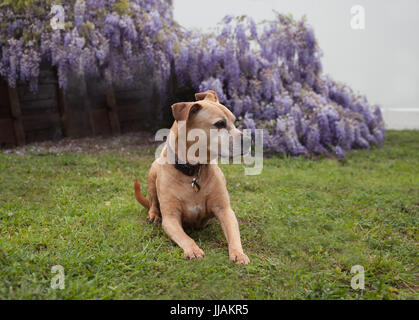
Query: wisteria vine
[
  {"x": 117, "y": 40},
  {"x": 269, "y": 74}
]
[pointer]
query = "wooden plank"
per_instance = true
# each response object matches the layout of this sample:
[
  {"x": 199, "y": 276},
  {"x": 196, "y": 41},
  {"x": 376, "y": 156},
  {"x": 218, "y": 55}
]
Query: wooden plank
[
  {"x": 39, "y": 122},
  {"x": 78, "y": 93},
  {"x": 77, "y": 108},
  {"x": 135, "y": 126},
  {"x": 84, "y": 94},
  {"x": 4, "y": 101},
  {"x": 63, "y": 110},
  {"x": 128, "y": 97},
  {"x": 43, "y": 134},
  {"x": 112, "y": 111},
  {"x": 77, "y": 123},
  {"x": 17, "y": 116},
  {"x": 136, "y": 117},
  {"x": 102, "y": 126},
  {"x": 45, "y": 92},
  {"x": 7, "y": 135},
  {"x": 48, "y": 76},
  {"x": 38, "y": 106},
  {"x": 96, "y": 90},
  {"x": 98, "y": 102},
  {"x": 131, "y": 112}
]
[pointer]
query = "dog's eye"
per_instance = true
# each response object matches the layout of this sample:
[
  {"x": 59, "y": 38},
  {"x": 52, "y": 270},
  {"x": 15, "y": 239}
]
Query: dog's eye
[{"x": 220, "y": 124}]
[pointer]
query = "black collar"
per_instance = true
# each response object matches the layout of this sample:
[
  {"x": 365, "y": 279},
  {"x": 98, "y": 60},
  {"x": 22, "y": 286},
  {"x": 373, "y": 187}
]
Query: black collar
[{"x": 187, "y": 169}]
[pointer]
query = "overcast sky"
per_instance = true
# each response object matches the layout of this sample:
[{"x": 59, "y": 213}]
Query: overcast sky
[{"x": 380, "y": 61}]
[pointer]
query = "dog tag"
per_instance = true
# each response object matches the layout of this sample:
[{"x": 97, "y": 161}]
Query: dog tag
[{"x": 195, "y": 185}]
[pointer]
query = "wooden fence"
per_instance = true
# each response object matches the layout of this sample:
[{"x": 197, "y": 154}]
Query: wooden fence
[{"x": 88, "y": 107}]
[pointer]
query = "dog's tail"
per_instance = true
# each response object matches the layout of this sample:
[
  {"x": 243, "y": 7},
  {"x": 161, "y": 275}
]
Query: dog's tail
[{"x": 139, "y": 196}]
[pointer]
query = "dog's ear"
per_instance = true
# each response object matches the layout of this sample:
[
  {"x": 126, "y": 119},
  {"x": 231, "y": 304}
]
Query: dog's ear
[
  {"x": 183, "y": 110},
  {"x": 207, "y": 95}
]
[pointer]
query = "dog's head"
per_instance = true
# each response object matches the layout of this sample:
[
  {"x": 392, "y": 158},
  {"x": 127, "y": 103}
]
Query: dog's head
[{"x": 208, "y": 129}]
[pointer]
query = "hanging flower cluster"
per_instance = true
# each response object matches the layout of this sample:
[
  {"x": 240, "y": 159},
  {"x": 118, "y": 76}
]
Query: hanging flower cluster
[{"x": 270, "y": 76}]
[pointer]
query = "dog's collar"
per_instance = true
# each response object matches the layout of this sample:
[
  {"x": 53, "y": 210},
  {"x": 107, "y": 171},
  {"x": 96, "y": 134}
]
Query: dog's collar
[{"x": 187, "y": 169}]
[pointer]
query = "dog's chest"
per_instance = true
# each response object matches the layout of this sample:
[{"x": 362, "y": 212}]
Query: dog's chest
[
  {"x": 194, "y": 210},
  {"x": 193, "y": 203},
  {"x": 195, "y": 214}
]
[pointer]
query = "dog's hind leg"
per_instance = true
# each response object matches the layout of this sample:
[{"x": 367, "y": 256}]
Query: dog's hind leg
[{"x": 154, "y": 212}]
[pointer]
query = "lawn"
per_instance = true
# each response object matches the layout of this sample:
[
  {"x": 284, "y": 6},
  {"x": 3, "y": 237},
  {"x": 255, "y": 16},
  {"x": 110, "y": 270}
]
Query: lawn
[{"x": 304, "y": 224}]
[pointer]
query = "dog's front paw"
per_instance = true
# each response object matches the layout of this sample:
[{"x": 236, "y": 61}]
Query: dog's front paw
[
  {"x": 239, "y": 257},
  {"x": 194, "y": 252}
]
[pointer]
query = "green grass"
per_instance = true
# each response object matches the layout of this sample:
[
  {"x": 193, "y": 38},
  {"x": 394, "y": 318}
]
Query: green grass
[{"x": 304, "y": 224}]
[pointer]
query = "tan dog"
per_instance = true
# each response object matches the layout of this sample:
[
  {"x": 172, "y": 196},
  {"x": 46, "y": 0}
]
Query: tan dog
[{"x": 171, "y": 188}]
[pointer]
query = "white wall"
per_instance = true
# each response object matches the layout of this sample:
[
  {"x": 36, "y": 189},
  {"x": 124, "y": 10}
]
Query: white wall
[{"x": 381, "y": 61}]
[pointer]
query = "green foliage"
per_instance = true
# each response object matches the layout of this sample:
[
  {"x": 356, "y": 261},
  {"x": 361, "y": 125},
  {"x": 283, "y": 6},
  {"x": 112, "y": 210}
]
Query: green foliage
[
  {"x": 19, "y": 5},
  {"x": 122, "y": 7},
  {"x": 304, "y": 224},
  {"x": 22, "y": 5}
]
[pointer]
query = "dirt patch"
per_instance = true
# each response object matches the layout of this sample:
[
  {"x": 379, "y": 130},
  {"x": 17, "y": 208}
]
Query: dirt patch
[{"x": 126, "y": 143}]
